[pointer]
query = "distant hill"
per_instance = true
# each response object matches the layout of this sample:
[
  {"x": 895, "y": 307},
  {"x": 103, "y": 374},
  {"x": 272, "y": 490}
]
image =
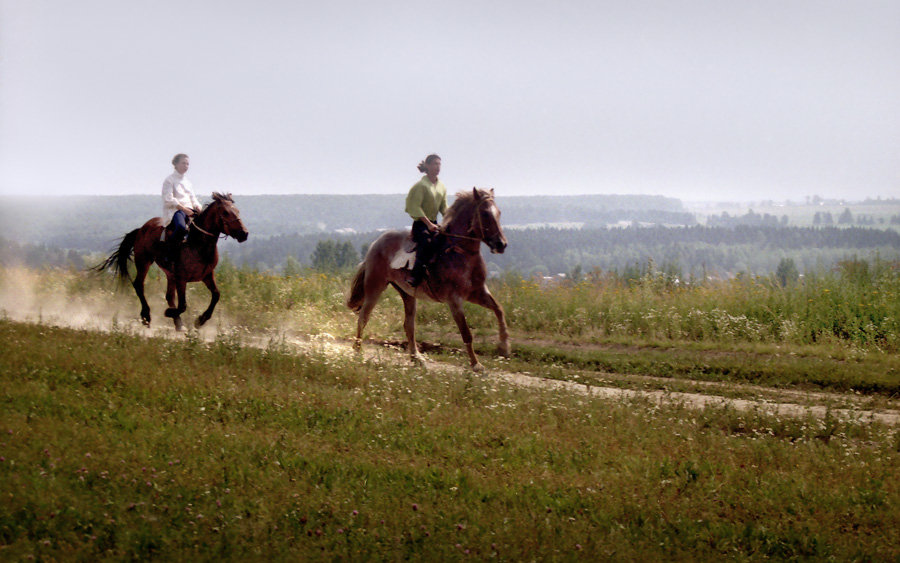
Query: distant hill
[
  {"x": 94, "y": 223},
  {"x": 566, "y": 234}
]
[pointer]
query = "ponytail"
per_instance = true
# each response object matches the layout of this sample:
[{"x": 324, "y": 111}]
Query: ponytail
[{"x": 428, "y": 160}]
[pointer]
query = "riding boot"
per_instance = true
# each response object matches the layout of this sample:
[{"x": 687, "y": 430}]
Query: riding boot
[
  {"x": 173, "y": 251},
  {"x": 418, "y": 274}
]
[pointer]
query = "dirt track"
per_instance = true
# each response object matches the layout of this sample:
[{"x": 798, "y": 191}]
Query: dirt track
[
  {"x": 769, "y": 400},
  {"x": 785, "y": 402}
]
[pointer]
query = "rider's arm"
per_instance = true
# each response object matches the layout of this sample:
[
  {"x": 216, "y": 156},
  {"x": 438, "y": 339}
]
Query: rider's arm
[{"x": 431, "y": 226}]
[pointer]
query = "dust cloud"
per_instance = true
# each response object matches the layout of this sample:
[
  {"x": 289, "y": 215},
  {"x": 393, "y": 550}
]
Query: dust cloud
[{"x": 28, "y": 296}]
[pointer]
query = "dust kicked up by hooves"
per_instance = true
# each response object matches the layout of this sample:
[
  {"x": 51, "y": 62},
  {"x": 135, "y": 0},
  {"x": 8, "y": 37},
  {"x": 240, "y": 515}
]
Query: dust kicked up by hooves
[{"x": 26, "y": 296}]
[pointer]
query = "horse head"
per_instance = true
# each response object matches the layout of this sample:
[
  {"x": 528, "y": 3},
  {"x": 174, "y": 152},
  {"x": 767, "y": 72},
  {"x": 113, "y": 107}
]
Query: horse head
[
  {"x": 221, "y": 216},
  {"x": 485, "y": 222}
]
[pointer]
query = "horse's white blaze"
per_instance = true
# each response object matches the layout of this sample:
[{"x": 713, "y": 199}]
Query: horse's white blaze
[{"x": 495, "y": 212}]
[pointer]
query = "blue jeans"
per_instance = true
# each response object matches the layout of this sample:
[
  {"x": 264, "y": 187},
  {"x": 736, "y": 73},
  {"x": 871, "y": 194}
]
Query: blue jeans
[{"x": 179, "y": 224}]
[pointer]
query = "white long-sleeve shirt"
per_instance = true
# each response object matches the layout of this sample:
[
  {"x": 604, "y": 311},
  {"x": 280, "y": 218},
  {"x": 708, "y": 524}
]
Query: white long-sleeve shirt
[{"x": 177, "y": 190}]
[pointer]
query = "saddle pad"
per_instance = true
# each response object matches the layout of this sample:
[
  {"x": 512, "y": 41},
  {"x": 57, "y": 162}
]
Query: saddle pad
[{"x": 403, "y": 259}]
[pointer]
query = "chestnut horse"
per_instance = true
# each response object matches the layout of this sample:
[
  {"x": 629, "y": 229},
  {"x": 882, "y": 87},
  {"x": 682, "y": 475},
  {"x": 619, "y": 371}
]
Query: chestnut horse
[
  {"x": 457, "y": 274},
  {"x": 197, "y": 261}
]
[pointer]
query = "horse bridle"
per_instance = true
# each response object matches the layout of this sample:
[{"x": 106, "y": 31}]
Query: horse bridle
[
  {"x": 480, "y": 236},
  {"x": 223, "y": 234}
]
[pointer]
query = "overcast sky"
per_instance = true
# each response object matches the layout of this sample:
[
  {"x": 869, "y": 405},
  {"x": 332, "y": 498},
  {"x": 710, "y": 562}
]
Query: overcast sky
[{"x": 718, "y": 100}]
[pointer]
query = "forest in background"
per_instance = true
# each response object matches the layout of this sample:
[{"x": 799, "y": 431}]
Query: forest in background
[{"x": 548, "y": 235}]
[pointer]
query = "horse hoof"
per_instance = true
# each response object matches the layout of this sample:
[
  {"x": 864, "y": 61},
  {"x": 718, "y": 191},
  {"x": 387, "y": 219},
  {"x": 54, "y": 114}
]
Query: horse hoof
[
  {"x": 418, "y": 359},
  {"x": 179, "y": 325},
  {"x": 503, "y": 349},
  {"x": 477, "y": 367},
  {"x": 145, "y": 321},
  {"x": 199, "y": 322}
]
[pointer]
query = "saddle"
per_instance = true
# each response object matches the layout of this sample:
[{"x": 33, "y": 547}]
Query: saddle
[
  {"x": 170, "y": 228},
  {"x": 405, "y": 257}
]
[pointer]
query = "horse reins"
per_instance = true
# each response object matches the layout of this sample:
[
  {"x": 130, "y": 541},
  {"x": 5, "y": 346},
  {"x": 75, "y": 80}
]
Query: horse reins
[
  {"x": 205, "y": 232},
  {"x": 480, "y": 224}
]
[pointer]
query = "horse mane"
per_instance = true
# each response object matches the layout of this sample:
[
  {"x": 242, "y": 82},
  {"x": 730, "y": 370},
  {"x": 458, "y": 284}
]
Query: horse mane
[
  {"x": 217, "y": 198},
  {"x": 222, "y": 197},
  {"x": 465, "y": 201}
]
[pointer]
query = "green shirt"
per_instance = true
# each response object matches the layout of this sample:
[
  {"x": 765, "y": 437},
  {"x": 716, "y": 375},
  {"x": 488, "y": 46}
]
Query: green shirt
[{"x": 426, "y": 199}]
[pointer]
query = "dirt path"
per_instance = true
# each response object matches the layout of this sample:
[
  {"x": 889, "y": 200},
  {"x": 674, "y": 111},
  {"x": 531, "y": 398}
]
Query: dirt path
[
  {"x": 786, "y": 402},
  {"x": 763, "y": 399}
]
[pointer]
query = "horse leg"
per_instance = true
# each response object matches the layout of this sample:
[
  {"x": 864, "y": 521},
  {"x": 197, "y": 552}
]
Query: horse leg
[
  {"x": 210, "y": 282},
  {"x": 373, "y": 293},
  {"x": 142, "y": 268},
  {"x": 409, "y": 325},
  {"x": 486, "y": 300},
  {"x": 170, "y": 299},
  {"x": 174, "y": 313},
  {"x": 456, "y": 310}
]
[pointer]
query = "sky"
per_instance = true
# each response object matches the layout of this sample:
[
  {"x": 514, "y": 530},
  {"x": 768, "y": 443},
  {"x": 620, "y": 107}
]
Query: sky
[{"x": 699, "y": 100}]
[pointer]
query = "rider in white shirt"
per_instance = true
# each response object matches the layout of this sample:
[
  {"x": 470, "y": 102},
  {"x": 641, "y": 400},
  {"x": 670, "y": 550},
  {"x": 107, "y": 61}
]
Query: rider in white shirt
[{"x": 179, "y": 203}]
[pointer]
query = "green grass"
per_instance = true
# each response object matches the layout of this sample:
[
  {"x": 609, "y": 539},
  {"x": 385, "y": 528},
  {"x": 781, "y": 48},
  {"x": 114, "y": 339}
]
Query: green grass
[
  {"x": 116, "y": 446},
  {"x": 834, "y": 330}
]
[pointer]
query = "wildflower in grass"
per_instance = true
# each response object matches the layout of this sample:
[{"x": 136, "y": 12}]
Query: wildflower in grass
[{"x": 415, "y": 506}]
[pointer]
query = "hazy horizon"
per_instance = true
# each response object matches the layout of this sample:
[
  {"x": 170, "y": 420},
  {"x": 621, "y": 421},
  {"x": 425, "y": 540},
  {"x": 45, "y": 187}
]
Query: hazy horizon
[{"x": 700, "y": 101}]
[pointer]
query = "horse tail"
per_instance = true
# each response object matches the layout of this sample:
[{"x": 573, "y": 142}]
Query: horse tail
[
  {"x": 118, "y": 260},
  {"x": 357, "y": 288}
]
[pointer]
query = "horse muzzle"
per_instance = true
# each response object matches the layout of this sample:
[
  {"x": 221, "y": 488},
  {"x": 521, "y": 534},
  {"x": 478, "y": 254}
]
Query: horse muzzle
[
  {"x": 241, "y": 236},
  {"x": 497, "y": 246}
]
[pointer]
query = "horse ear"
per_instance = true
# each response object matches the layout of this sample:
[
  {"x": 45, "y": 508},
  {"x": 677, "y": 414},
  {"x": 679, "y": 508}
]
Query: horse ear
[
  {"x": 475, "y": 192},
  {"x": 492, "y": 192}
]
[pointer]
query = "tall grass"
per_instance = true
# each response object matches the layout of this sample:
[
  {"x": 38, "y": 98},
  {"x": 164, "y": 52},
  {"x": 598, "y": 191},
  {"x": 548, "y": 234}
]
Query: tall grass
[
  {"x": 857, "y": 305},
  {"x": 834, "y": 329},
  {"x": 119, "y": 447}
]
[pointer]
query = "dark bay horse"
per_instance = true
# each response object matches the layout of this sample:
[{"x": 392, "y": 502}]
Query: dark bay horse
[
  {"x": 457, "y": 275},
  {"x": 197, "y": 261}
]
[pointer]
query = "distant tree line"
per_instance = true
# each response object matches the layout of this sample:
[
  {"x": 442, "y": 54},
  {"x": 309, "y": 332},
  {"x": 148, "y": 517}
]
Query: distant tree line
[
  {"x": 749, "y": 219},
  {"x": 696, "y": 250},
  {"x": 39, "y": 255},
  {"x": 93, "y": 223}
]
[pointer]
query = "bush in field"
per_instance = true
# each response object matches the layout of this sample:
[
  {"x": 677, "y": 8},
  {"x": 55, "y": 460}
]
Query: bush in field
[{"x": 786, "y": 272}]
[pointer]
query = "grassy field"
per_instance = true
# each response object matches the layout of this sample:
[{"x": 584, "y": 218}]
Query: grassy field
[
  {"x": 126, "y": 447},
  {"x": 120, "y": 445}
]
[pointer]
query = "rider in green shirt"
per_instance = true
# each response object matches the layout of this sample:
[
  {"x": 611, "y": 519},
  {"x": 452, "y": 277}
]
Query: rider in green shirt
[{"x": 425, "y": 200}]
